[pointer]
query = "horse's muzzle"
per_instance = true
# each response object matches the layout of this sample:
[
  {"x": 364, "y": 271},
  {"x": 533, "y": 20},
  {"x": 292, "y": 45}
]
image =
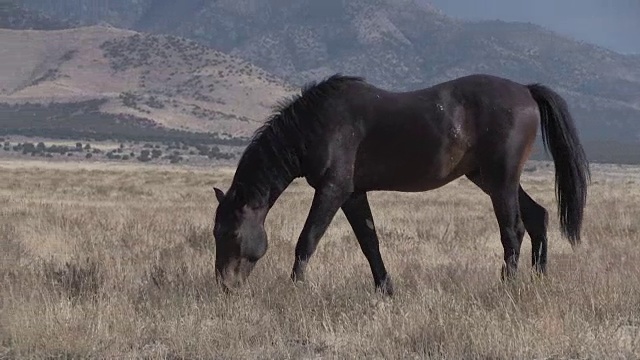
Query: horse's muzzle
[{"x": 233, "y": 273}]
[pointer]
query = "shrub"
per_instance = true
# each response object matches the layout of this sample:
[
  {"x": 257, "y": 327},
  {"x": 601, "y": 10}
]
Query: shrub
[
  {"x": 144, "y": 156},
  {"x": 175, "y": 159},
  {"x": 28, "y": 147}
]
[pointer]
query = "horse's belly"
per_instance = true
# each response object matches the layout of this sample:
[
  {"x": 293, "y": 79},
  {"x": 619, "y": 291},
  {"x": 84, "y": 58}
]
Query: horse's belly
[
  {"x": 396, "y": 178},
  {"x": 410, "y": 169}
]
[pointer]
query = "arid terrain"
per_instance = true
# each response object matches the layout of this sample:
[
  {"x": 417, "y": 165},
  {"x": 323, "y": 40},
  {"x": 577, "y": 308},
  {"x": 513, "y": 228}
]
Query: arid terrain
[
  {"x": 118, "y": 117},
  {"x": 116, "y": 261},
  {"x": 396, "y": 44},
  {"x": 174, "y": 82}
]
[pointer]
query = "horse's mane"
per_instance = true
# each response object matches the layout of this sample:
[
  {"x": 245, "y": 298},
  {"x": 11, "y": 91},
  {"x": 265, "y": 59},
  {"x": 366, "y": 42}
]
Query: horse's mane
[
  {"x": 273, "y": 154},
  {"x": 288, "y": 113}
]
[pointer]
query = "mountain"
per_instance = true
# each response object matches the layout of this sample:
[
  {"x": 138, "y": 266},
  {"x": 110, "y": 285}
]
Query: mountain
[
  {"x": 16, "y": 17},
  {"x": 174, "y": 82},
  {"x": 613, "y": 25},
  {"x": 397, "y": 44}
]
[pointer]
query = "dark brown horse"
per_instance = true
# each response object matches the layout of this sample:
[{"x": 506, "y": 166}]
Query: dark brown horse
[{"x": 347, "y": 137}]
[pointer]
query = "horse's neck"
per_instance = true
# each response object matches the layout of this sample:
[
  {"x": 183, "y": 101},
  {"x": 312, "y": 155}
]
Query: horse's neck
[
  {"x": 276, "y": 191},
  {"x": 262, "y": 184},
  {"x": 261, "y": 196},
  {"x": 266, "y": 169}
]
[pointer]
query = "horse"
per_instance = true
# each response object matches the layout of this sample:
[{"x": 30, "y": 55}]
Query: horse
[{"x": 348, "y": 137}]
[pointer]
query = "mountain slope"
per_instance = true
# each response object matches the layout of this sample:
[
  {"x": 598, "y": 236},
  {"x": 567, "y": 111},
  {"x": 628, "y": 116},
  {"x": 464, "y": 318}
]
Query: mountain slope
[
  {"x": 175, "y": 82},
  {"x": 398, "y": 44},
  {"x": 15, "y": 17}
]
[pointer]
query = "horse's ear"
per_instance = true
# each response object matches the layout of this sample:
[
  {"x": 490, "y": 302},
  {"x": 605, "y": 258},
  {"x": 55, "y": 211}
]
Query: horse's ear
[{"x": 219, "y": 194}]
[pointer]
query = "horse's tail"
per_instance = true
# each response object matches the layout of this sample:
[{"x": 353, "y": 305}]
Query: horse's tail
[{"x": 560, "y": 137}]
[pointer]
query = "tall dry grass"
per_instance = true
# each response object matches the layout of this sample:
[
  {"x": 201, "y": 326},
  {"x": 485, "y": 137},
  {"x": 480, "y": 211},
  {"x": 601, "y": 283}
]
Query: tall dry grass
[{"x": 101, "y": 262}]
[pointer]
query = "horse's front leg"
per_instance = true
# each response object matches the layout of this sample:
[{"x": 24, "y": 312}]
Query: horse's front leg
[
  {"x": 326, "y": 202},
  {"x": 358, "y": 213}
]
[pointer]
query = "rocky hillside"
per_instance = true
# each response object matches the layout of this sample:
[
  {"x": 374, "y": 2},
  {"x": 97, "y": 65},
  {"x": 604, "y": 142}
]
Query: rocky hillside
[
  {"x": 172, "y": 81},
  {"x": 399, "y": 44}
]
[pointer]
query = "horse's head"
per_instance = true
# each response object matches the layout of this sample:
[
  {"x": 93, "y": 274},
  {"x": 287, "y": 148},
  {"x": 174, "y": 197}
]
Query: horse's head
[{"x": 240, "y": 239}]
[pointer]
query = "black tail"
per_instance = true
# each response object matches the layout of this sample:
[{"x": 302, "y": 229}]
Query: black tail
[{"x": 560, "y": 137}]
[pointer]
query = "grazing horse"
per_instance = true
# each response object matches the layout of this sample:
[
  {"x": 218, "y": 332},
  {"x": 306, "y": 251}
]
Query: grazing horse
[{"x": 347, "y": 137}]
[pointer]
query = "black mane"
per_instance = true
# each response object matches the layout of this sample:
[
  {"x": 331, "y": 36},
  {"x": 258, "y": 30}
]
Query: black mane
[{"x": 273, "y": 157}]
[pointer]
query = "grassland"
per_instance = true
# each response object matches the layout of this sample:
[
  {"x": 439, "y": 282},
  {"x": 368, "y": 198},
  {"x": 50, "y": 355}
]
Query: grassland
[{"x": 116, "y": 261}]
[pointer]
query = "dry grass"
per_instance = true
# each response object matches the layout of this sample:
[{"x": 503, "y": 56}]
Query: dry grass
[{"x": 101, "y": 262}]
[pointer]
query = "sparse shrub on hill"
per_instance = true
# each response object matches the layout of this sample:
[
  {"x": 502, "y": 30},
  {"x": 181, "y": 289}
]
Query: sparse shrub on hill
[
  {"x": 203, "y": 150},
  {"x": 28, "y": 147},
  {"x": 145, "y": 155},
  {"x": 155, "y": 103},
  {"x": 174, "y": 159},
  {"x": 58, "y": 149}
]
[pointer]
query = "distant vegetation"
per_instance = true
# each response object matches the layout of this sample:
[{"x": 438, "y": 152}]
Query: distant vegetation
[
  {"x": 175, "y": 152},
  {"x": 83, "y": 120},
  {"x": 144, "y": 50},
  {"x": 612, "y": 152}
]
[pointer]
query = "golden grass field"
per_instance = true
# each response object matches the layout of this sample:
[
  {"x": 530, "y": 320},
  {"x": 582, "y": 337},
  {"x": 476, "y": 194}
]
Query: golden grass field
[{"x": 103, "y": 261}]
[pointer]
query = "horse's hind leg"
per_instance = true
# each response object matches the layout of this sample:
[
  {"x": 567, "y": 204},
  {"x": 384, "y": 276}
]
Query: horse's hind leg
[
  {"x": 504, "y": 197},
  {"x": 358, "y": 213},
  {"x": 535, "y": 218}
]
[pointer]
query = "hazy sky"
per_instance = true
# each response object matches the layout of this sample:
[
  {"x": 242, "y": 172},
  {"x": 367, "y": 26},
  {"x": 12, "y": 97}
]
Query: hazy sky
[{"x": 611, "y": 23}]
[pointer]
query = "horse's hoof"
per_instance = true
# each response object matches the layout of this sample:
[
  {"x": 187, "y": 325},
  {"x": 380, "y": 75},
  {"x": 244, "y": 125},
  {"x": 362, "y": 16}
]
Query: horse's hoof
[
  {"x": 386, "y": 287},
  {"x": 297, "y": 278},
  {"x": 507, "y": 276}
]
